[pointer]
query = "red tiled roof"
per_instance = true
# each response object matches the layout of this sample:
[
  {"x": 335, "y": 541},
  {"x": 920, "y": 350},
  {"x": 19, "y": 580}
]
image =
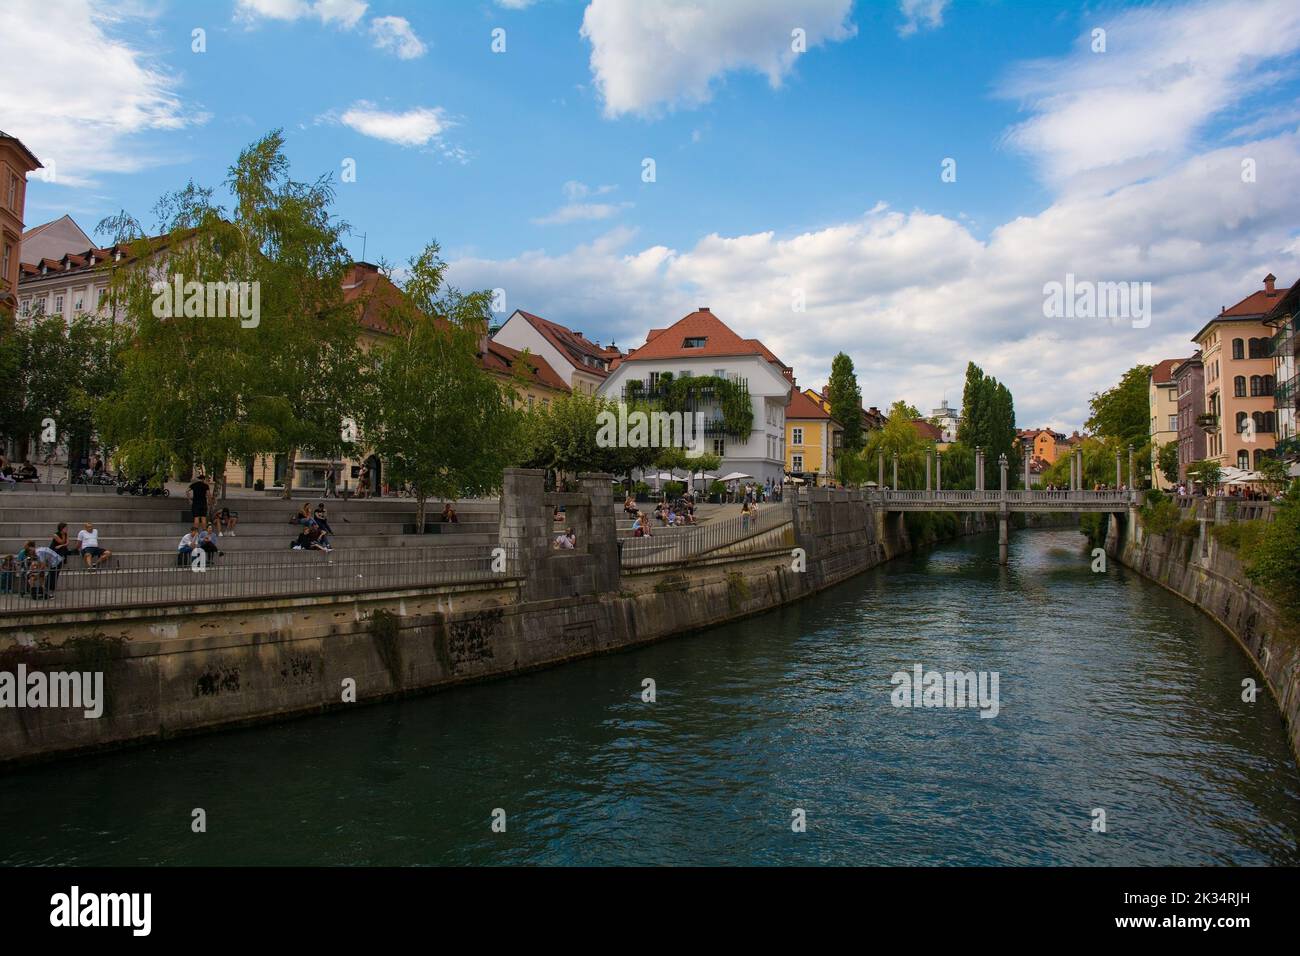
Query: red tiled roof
[
  {"x": 801, "y": 406},
  {"x": 503, "y": 360},
  {"x": 574, "y": 346},
  {"x": 375, "y": 294},
  {"x": 1163, "y": 373},
  {"x": 719, "y": 340},
  {"x": 926, "y": 430}
]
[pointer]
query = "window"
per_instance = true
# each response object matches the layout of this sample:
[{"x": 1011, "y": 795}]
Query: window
[
  {"x": 4, "y": 266},
  {"x": 1259, "y": 348},
  {"x": 796, "y": 463},
  {"x": 694, "y": 343},
  {"x": 27, "y": 307},
  {"x": 719, "y": 447},
  {"x": 1243, "y": 460},
  {"x": 720, "y": 372},
  {"x": 1239, "y": 386},
  {"x": 103, "y": 296},
  {"x": 13, "y": 192},
  {"x": 1237, "y": 350},
  {"x": 58, "y": 305},
  {"x": 78, "y": 303},
  {"x": 1241, "y": 422},
  {"x": 796, "y": 436},
  {"x": 1173, "y": 395},
  {"x": 1173, "y": 423}
]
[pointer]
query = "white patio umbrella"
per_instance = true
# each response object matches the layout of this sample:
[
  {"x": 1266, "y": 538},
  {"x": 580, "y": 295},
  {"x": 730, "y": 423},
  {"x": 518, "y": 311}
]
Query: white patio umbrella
[{"x": 735, "y": 476}]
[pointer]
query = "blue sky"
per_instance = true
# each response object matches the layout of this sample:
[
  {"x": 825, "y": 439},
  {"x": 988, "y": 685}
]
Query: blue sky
[{"x": 775, "y": 171}]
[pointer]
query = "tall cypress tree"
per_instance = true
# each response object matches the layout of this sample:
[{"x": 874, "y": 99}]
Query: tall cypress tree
[{"x": 846, "y": 401}]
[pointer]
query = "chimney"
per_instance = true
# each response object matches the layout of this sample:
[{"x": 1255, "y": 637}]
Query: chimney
[
  {"x": 703, "y": 308},
  {"x": 1268, "y": 283}
]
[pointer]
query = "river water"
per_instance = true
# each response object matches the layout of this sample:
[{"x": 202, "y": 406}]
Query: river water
[{"x": 1113, "y": 696}]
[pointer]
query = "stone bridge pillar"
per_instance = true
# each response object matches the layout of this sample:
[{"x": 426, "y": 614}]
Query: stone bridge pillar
[{"x": 527, "y": 530}]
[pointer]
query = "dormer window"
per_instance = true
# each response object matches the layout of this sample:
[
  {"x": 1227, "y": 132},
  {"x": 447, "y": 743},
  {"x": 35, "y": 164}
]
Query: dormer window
[{"x": 694, "y": 343}]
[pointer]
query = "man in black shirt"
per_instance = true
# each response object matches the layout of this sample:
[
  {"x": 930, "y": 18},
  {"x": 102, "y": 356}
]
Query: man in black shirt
[{"x": 198, "y": 495}]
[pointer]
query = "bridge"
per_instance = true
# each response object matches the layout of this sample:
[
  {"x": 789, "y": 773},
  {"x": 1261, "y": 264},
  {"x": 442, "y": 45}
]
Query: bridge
[{"x": 1004, "y": 500}]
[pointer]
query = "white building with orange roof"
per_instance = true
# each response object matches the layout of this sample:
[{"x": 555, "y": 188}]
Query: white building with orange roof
[
  {"x": 700, "y": 345},
  {"x": 583, "y": 364}
]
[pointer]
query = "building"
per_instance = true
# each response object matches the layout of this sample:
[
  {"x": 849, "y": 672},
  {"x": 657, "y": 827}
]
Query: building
[
  {"x": 52, "y": 240},
  {"x": 530, "y": 379},
  {"x": 1239, "y": 416},
  {"x": 1284, "y": 346},
  {"x": 583, "y": 365},
  {"x": 16, "y": 161},
  {"x": 701, "y": 345},
  {"x": 872, "y": 418},
  {"x": 1189, "y": 379},
  {"x": 947, "y": 419},
  {"x": 928, "y": 431},
  {"x": 1162, "y": 403},
  {"x": 813, "y": 440},
  {"x": 1043, "y": 444}
]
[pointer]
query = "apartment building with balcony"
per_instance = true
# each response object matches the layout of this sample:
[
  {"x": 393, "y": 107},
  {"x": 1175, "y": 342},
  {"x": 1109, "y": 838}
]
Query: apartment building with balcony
[
  {"x": 1239, "y": 417},
  {"x": 700, "y": 345},
  {"x": 1284, "y": 346}
]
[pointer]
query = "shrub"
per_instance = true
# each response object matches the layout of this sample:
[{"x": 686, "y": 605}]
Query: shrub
[
  {"x": 1240, "y": 536},
  {"x": 674, "y": 489},
  {"x": 1159, "y": 514},
  {"x": 1274, "y": 562}
]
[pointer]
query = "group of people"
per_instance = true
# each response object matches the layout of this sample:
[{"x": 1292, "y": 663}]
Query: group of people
[
  {"x": 754, "y": 493},
  {"x": 1240, "y": 492},
  {"x": 24, "y": 472},
  {"x": 34, "y": 571},
  {"x": 315, "y": 529}
]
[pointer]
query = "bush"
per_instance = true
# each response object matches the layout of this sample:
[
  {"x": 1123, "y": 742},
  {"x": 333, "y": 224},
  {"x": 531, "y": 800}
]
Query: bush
[
  {"x": 1094, "y": 527},
  {"x": 718, "y": 488},
  {"x": 1159, "y": 514},
  {"x": 1240, "y": 536},
  {"x": 1187, "y": 528},
  {"x": 1274, "y": 562},
  {"x": 674, "y": 489},
  {"x": 641, "y": 488}
]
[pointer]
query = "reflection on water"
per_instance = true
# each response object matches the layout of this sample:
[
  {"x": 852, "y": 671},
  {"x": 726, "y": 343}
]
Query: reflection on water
[{"x": 1113, "y": 695}]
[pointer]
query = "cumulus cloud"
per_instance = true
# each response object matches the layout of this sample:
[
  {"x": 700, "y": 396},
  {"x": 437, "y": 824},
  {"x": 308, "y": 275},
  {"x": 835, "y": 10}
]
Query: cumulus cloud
[
  {"x": 413, "y": 127},
  {"x": 656, "y": 54},
  {"x": 1102, "y": 119},
  {"x": 80, "y": 88},
  {"x": 394, "y": 34},
  {"x": 920, "y": 15},
  {"x": 918, "y": 291}
]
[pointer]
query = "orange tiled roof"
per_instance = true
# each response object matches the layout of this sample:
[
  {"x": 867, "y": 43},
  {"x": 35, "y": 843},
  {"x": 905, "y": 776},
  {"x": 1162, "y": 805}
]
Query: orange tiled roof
[
  {"x": 503, "y": 360},
  {"x": 1163, "y": 373},
  {"x": 574, "y": 346},
  {"x": 719, "y": 340},
  {"x": 801, "y": 406}
]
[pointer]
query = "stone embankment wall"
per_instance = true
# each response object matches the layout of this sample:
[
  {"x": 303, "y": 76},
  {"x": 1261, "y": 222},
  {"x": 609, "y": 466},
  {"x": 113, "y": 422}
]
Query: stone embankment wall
[
  {"x": 179, "y": 670},
  {"x": 1210, "y": 576}
]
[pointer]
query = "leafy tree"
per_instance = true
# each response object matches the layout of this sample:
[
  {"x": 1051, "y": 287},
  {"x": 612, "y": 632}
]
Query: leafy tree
[
  {"x": 988, "y": 422},
  {"x": 432, "y": 414},
  {"x": 1123, "y": 413},
  {"x": 1167, "y": 459},
  {"x": 846, "y": 401},
  {"x": 1207, "y": 472},
  {"x": 1274, "y": 563},
  {"x": 200, "y": 388},
  {"x": 1274, "y": 471}
]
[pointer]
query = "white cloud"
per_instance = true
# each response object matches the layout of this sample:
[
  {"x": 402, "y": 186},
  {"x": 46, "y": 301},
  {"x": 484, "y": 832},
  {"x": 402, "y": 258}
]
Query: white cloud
[
  {"x": 576, "y": 210},
  {"x": 515, "y": 4},
  {"x": 79, "y": 87},
  {"x": 414, "y": 127},
  {"x": 395, "y": 35},
  {"x": 1105, "y": 119},
  {"x": 653, "y": 54},
  {"x": 921, "y": 15},
  {"x": 918, "y": 291},
  {"x": 344, "y": 13}
]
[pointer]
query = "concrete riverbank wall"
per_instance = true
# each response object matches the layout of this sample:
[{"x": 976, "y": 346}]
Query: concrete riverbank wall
[{"x": 1208, "y": 574}]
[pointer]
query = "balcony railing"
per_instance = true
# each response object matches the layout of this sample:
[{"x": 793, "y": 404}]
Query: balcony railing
[
  {"x": 1284, "y": 341},
  {"x": 1284, "y": 395}
]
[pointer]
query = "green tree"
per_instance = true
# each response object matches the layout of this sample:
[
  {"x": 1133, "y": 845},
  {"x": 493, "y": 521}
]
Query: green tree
[
  {"x": 1123, "y": 414},
  {"x": 846, "y": 401},
  {"x": 988, "y": 422},
  {"x": 432, "y": 414},
  {"x": 1207, "y": 472},
  {"x": 1167, "y": 459},
  {"x": 1274, "y": 563}
]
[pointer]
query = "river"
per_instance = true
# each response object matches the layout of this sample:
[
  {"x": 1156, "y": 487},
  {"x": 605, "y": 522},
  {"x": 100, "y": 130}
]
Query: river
[{"x": 1113, "y": 695}]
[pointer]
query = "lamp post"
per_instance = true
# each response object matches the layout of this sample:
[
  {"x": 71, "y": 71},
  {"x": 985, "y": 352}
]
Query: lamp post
[
  {"x": 979, "y": 468},
  {"x": 938, "y": 471},
  {"x": 895, "y": 484}
]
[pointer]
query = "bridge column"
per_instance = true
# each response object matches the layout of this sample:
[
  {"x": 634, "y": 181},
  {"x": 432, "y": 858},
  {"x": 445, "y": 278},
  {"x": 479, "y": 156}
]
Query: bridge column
[
  {"x": 894, "y": 486},
  {"x": 938, "y": 471},
  {"x": 927, "y": 470},
  {"x": 1078, "y": 457},
  {"x": 880, "y": 478},
  {"x": 1029, "y": 455},
  {"x": 1002, "y": 534},
  {"x": 979, "y": 468},
  {"x": 1132, "y": 482}
]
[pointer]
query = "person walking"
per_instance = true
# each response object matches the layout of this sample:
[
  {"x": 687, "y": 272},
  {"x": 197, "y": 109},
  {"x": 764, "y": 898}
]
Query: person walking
[{"x": 198, "y": 495}]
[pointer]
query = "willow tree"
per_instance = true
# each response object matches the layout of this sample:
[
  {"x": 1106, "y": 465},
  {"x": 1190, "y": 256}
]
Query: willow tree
[
  {"x": 432, "y": 414},
  {"x": 240, "y": 341}
]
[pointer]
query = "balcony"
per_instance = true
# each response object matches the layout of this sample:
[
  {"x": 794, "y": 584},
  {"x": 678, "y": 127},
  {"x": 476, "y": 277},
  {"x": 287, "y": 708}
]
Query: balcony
[
  {"x": 1284, "y": 396},
  {"x": 1286, "y": 340},
  {"x": 1208, "y": 421}
]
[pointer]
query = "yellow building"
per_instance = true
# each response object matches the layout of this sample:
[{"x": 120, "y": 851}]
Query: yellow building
[
  {"x": 812, "y": 440},
  {"x": 1162, "y": 399}
]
